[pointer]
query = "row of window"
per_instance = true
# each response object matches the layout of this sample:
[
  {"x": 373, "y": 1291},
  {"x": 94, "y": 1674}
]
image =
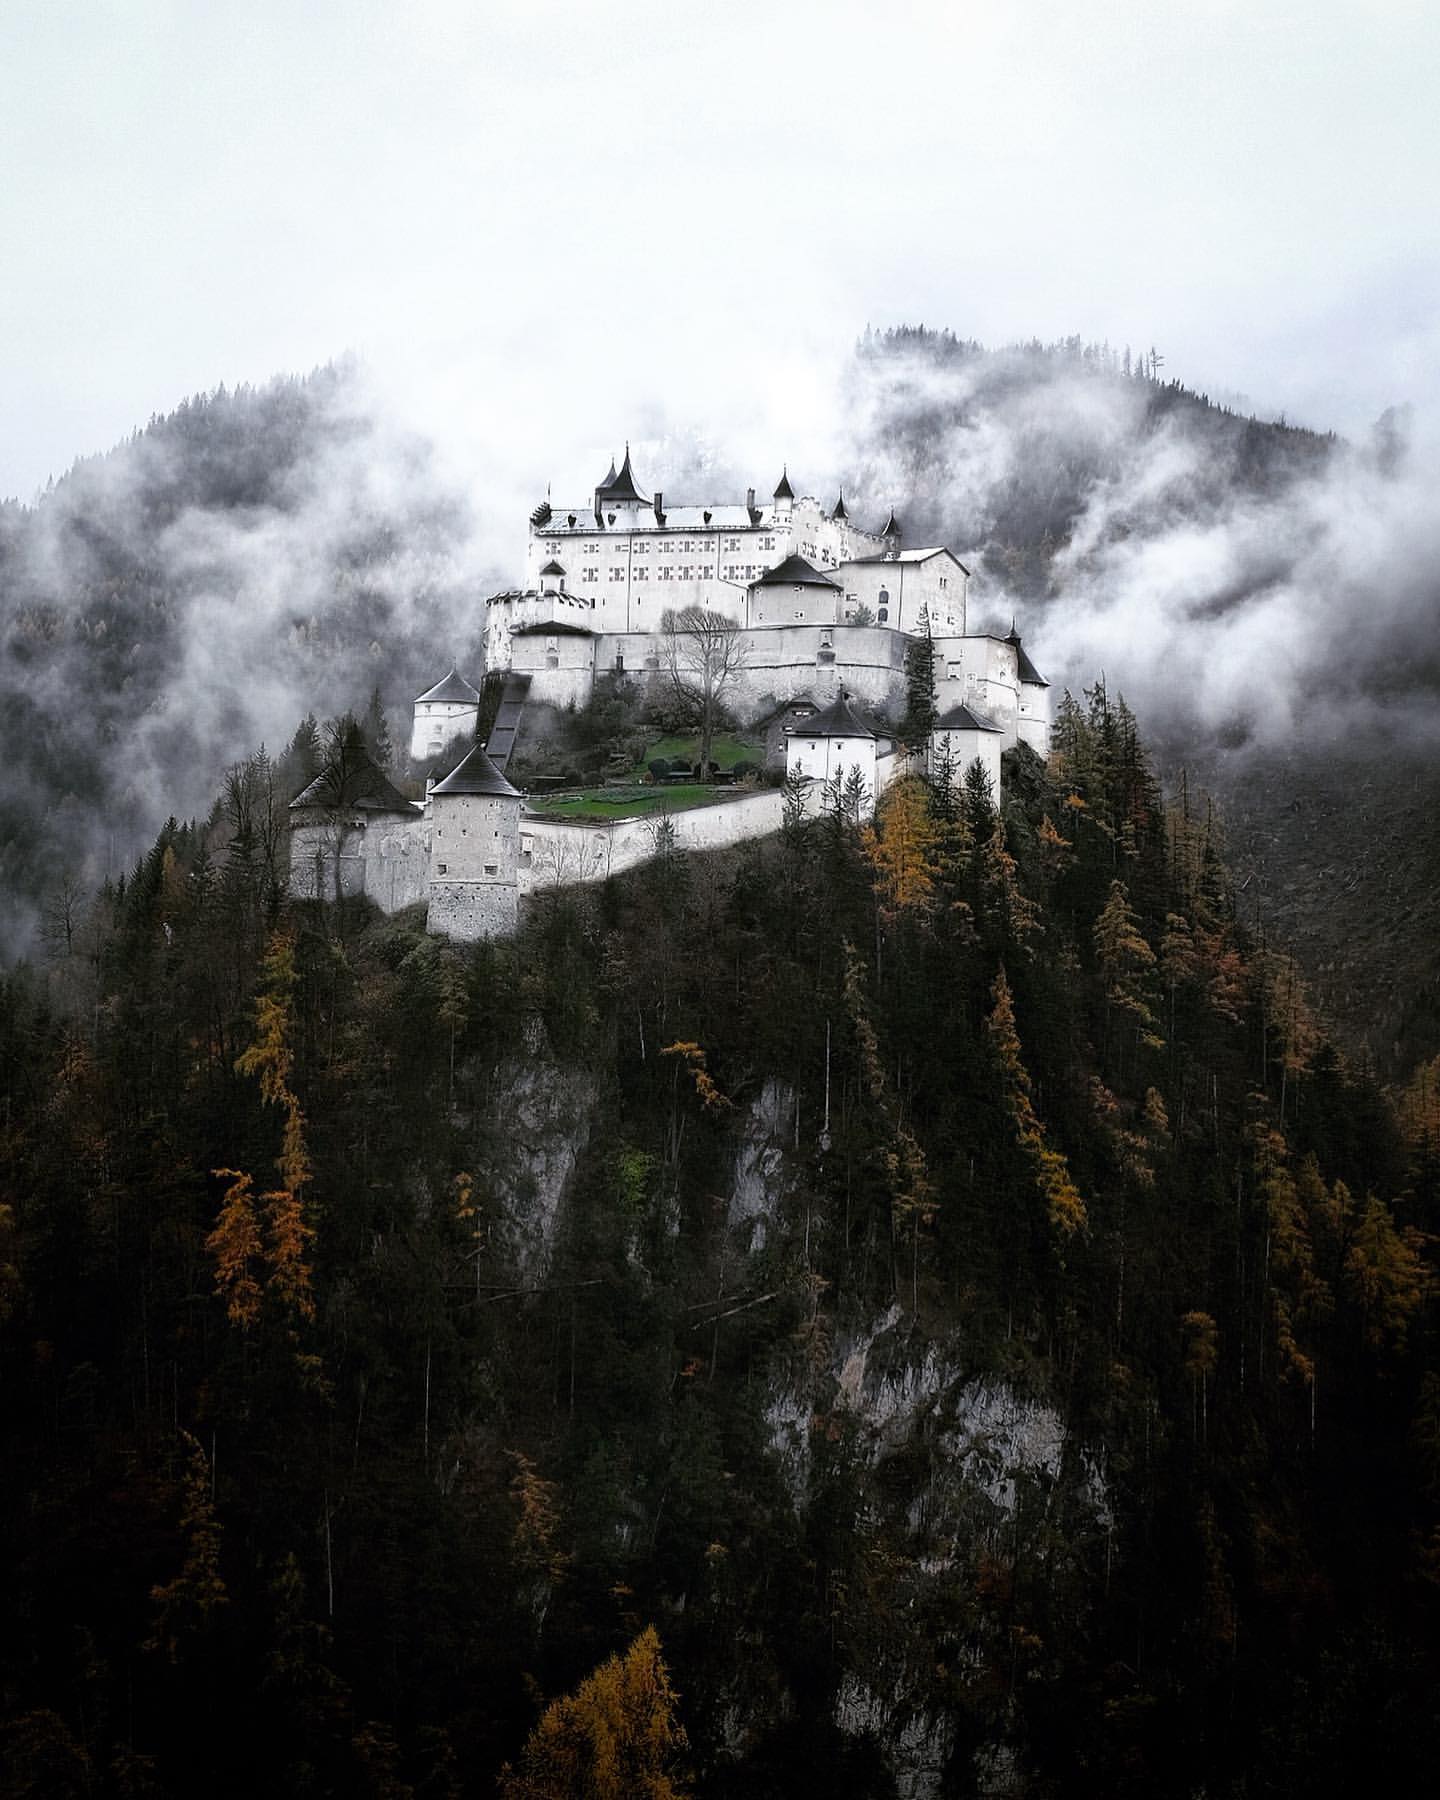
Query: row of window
[{"x": 642, "y": 546}]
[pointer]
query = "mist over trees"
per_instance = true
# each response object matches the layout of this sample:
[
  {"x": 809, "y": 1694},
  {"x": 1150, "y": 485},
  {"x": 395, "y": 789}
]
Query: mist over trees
[
  {"x": 1265, "y": 596},
  {"x": 249, "y": 558}
]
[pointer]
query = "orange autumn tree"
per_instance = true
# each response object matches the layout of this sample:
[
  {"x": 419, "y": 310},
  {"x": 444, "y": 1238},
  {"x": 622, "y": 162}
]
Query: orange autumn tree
[
  {"x": 1063, "y": 1202},
  {"x": 615, "y": 1738},
  {"x": 901, "y": 849},
  {"x": 277, "y": 1239}
]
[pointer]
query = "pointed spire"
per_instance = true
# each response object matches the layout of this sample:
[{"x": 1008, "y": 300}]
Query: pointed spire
[
  {"x": 840, "y": 512},
  {"x": 891, "y": 527},
  {"x": 622, "y": 486},
  {"x": 784, "y": 491}
]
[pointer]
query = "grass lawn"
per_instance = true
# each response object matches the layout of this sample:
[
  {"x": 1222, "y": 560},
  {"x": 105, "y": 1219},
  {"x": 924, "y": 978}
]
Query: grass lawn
[
  {"x": 725, "y": 750},
  {"x": 627, "y": 802}
]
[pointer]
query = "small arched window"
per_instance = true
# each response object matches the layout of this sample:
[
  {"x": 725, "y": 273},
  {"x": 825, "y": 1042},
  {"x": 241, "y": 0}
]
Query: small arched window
[
  {"x": 883, "y": 615},
  {"x": 884, "y": 596}
]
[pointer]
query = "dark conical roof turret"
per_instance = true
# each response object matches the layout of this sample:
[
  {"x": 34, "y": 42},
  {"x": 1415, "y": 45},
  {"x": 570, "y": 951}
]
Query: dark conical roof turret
[
  {"x": 891, "y": 527},
  {"x": 622, "y": 486},
  {"x": 453, "y": 688},
  {"x": 839, "y": 719},
  {"x": 1026, "y": 669},
  {"x": 476, "y": 775},
  {"x": 784, "y": 491},
  {"x": 840, "y": 512}
]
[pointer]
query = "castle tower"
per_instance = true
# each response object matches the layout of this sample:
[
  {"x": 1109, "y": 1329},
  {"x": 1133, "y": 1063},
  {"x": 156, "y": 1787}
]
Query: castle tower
[
  {"x": 618, "y": 502},
  {"x": 1032, "y": 722},
  {"x": 449, "y": 709},
  {"x": 784, "y": 497},
  {"x": 474, "y": 852},
  {"x": 890, "y": 531}
]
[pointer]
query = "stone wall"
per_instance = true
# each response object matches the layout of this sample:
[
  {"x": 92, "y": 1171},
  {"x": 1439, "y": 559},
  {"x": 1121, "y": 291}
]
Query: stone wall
[
  {"x": 468, "y": 910},
  {"x": 383, "y": 855},
  {"x": 565, "y": 852}
]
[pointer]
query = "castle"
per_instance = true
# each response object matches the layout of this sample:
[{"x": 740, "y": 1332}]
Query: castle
[{"x": 823, "y": 614}]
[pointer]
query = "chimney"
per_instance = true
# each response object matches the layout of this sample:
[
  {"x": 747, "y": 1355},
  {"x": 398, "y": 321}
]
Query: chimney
[{"x": 659, "y": 507}]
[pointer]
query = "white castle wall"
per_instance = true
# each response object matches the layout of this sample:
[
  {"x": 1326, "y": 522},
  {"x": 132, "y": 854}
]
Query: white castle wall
[
  {"x": 562, "y": 852},
  {"x": 903, "y": 595},
  {"x": 700, "y": 556},
  {"x": 1033, "y": 721},
  {"x": 983, "y": 672},
  {"x": 384, "y": 855}
]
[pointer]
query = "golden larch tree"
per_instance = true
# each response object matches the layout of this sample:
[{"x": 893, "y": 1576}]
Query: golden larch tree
[{"x": 617, "y": 1737}]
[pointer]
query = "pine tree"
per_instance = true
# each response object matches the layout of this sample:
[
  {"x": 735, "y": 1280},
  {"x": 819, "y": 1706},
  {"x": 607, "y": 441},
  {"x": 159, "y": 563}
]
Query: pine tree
[
  {"x": 919, "y": 721},
  {"x": 1126, "y": 960},
  {"x": 375, "y": 728}
]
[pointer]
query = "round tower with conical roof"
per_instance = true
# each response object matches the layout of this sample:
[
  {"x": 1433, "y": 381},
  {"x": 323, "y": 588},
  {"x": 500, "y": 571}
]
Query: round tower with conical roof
[
  {"x": 448, "y": 710},
  {"x": 474, "y": 852}
]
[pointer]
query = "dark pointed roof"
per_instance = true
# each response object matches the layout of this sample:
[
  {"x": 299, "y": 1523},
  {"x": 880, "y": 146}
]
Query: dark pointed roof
[
  {"x": 454, "y": 688},
  {"x": 965, "y": 718},
  {"x": 891, "y": 527},
  {"x": 609, "y": 480},
  {"x": 784, "y": 491},
  {"x": 1029, "y": 674},
  {"x": 361, "y": 785},
  {"x": 795, "y": 572},
  {"x": 840, "y": 512},
  {"x": 622, "y": 486},
  {"x": 839, "y": 719},
  {"x": 553, "y": 568},
  {"x": 476, "y": 775}
]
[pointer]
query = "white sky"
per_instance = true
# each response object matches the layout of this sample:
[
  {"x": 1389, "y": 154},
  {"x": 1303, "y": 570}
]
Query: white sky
[{"x": 554, "y": 224}]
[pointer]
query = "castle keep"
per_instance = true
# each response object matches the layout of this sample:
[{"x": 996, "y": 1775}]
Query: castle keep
[
  {"x": 824, "y": 613},
  {"x": 822, "y": 603}
]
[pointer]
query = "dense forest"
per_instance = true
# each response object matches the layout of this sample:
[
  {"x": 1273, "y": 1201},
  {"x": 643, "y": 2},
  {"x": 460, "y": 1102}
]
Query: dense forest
[{"x": 911, "y": 1309}]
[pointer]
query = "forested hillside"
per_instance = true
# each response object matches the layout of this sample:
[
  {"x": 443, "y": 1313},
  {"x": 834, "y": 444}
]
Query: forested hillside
[
  {"x": 938, "y": 1277},
  {"x": 1265, "y": 597}
]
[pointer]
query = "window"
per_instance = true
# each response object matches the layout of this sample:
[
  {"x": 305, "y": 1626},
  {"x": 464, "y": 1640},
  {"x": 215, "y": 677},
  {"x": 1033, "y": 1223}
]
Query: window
[
  {"x": 883, "y": 615},
  {"x": 492, "y": 868},
  {"x": 589, "y": 574},
  {"x": 617, "y": 574},
  {"x": 667, "y": 573},
  {"x": 883, "y": 596},
  {"x": 944, "y": 581},
  {"x": 442, "y": 868},
  {"x": 642, "y": 574}
]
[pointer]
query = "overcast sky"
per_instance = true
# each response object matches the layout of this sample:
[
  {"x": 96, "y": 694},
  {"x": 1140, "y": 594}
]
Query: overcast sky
[{"x": 553, "y": 224}]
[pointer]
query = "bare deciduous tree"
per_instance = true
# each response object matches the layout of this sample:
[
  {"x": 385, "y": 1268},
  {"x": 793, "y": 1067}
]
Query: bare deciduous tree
[{"x": 705, "y": 653}]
